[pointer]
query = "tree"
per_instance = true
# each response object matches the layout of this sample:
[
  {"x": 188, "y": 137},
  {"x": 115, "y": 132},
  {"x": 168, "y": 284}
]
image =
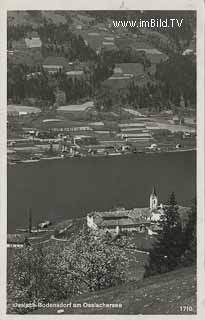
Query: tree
[
  {"x": 97, "y": 263},
  {"x": 52, "y": 273},
  {"x": 189, "y": 256},
  {"x": 169, "y": 247}
]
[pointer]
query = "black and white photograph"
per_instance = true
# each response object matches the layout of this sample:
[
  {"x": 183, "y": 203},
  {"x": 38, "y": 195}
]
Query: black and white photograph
[{"x": 102, "y": 143}]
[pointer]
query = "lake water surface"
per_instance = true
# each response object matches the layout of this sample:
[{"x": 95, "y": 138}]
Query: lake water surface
[{"x": 59, "y": 189}]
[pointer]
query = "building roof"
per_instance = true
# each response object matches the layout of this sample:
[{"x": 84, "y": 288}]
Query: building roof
[
  {"x": 33, "y": 42},
  {"x": 129, "y": 69},
  {"x": 114, "y": 214},
  {"x": 122, "y": 222},
  {"x": 121, "y": 217},
  {"x": 75, "y": 73}
]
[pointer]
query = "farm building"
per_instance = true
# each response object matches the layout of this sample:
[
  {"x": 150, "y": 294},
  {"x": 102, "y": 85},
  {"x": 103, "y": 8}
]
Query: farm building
[
  {"x": 55, "y": 64},
  {"x": 33, "y": 41},
  {"x": 116, "y": 221},
  {"x": 137, "y": 219}
]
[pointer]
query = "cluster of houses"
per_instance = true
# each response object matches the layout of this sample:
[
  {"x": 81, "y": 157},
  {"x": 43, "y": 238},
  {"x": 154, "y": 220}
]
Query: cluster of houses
[
  {"x": 138, "y": 219},
  {"x": 32, "y": 41},
  {"x": 103, "y": 39}
]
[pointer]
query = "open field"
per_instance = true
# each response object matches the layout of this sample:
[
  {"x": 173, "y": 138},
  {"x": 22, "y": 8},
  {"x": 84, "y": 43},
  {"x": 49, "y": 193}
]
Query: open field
[{"x": 162, "y": 294}]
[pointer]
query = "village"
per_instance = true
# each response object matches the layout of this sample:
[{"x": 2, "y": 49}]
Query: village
[
  {"x": 119, "y": 221},
  {"x": 95, "y": 123},
  {"x": 101, "y": 134}
]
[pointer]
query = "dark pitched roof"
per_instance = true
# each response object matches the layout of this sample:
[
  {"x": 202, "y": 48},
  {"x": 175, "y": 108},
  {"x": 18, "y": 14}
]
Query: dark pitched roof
[
  {"x": 134, "y": 217},
  {"x": 114, "y": 214},
  {"x": 123, "y": 222}
]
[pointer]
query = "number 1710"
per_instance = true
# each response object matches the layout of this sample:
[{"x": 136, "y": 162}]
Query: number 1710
[{"x": 186, "y": 308}]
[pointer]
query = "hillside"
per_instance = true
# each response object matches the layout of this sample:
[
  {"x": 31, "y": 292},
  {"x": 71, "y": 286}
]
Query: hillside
[{"x": 163, "y": 294}]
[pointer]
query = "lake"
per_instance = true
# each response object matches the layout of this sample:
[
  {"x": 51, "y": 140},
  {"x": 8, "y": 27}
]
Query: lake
[{"x": 62, "y": 189}]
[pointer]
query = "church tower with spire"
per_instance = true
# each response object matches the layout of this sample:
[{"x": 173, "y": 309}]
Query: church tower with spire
[{"x": 153, "y": 199}]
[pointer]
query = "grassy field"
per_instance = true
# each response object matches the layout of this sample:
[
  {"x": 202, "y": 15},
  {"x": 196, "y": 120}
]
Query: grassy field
[{"x": 162, "y": 294}]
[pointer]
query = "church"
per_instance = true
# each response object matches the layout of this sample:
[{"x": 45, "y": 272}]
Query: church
[{"x": 136, "y": 219}]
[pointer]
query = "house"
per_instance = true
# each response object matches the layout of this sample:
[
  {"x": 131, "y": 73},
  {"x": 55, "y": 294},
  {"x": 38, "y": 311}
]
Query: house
[
  {"x": 129, "y": 69},
  {"x": 154, "y": 56},
  {"x": 55, "y": 64},
  {"x": 33, "y": 41},
  {"x": 191, "y": 48},
  {"x": 177, "y": 120},
  {"x": 44, "y": 224}
]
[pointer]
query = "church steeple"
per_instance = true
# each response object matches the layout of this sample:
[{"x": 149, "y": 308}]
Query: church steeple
[
  {"x": 153, "y": 199},
  {"x": 154, "y": 191}
]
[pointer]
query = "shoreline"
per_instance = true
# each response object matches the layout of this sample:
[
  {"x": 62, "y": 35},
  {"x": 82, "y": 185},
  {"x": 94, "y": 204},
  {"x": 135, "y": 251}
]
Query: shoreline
[{"x": 100, "y": 156}]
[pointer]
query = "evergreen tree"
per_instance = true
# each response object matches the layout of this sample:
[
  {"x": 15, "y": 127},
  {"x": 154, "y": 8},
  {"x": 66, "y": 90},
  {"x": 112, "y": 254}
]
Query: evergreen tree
[
  {"x": 169, "y": 246},
  {"x": 189, "y": 256}
]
